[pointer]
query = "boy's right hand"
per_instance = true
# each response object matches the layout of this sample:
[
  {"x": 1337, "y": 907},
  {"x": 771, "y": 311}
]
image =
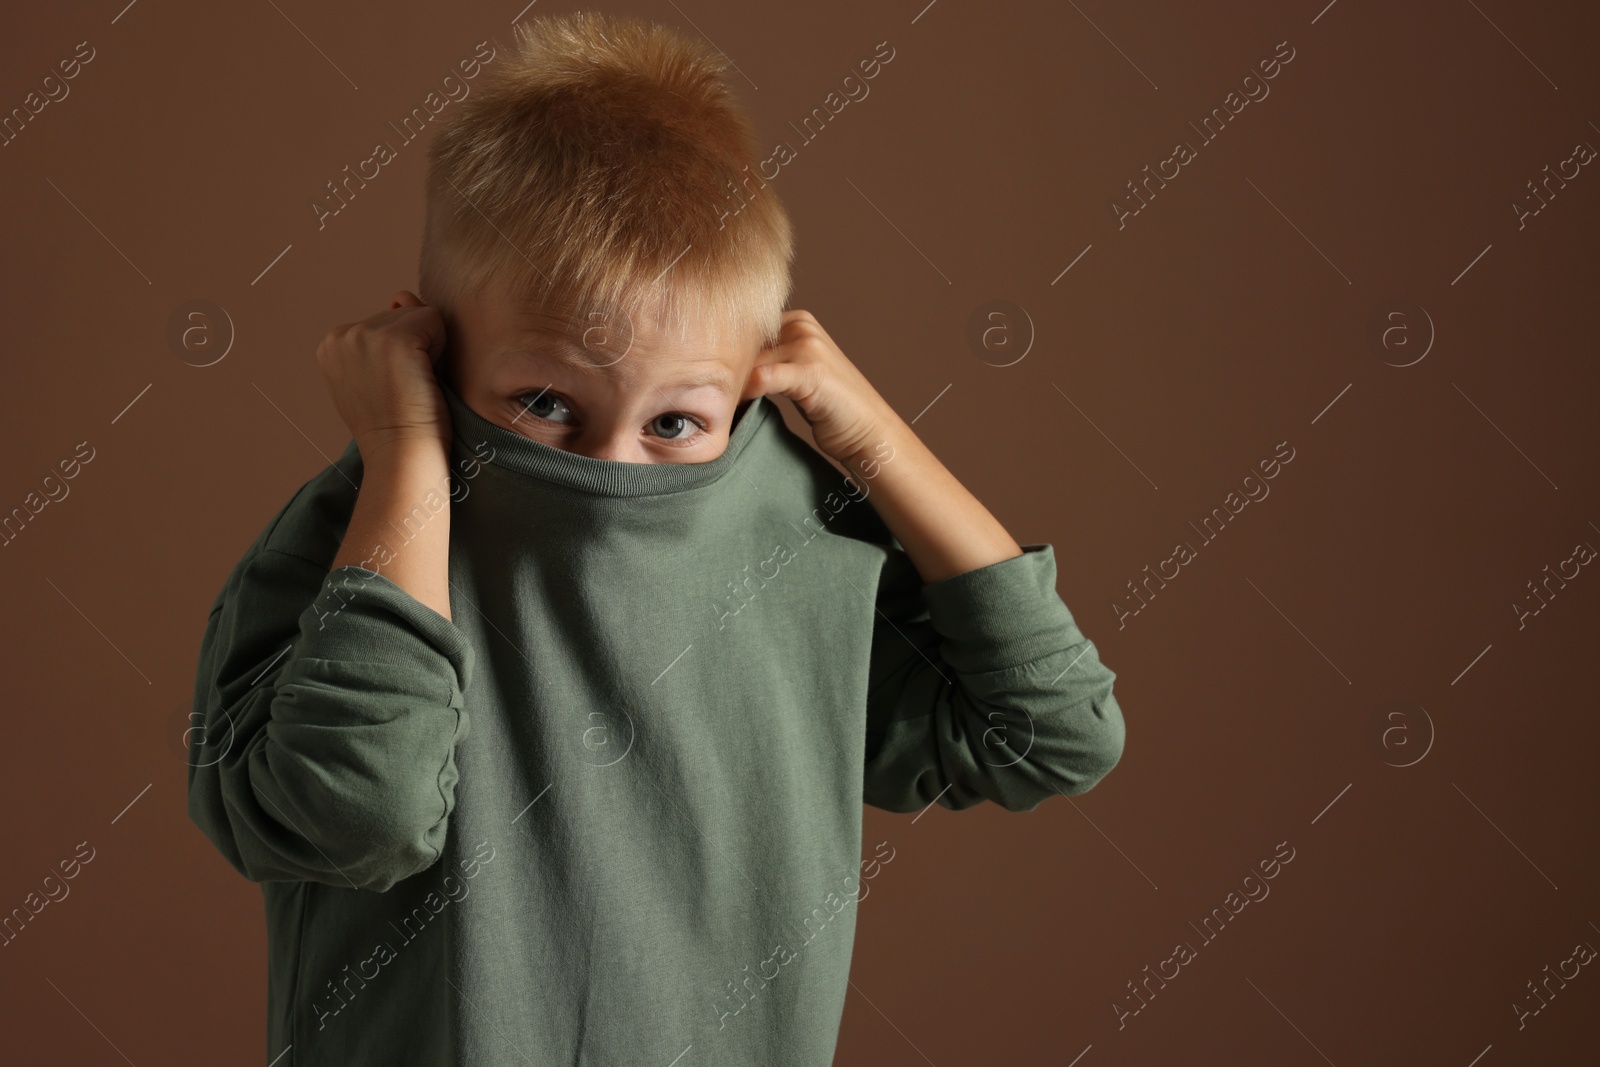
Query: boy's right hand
[{"x": 381, "y": 372}]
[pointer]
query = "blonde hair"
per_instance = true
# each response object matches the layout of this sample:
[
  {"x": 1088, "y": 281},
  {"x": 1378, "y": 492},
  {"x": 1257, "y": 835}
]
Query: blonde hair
[{"x": 603, "y": 165}]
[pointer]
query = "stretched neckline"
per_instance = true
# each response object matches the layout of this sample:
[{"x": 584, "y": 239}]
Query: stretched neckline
[{"x": 602, "y": 477}]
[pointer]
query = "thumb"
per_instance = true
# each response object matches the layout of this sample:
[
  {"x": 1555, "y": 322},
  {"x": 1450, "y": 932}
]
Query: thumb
[
  {"x": 778, "y": 376},
  {"x": 404, "y": 299}
]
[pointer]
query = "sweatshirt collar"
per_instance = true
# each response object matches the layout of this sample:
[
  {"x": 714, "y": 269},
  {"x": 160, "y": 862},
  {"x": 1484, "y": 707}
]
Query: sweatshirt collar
[{"x": 602, "y": 477}]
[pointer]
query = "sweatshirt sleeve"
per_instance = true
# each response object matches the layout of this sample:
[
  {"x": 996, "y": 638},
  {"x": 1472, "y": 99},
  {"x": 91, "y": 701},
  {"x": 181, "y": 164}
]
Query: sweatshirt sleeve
[
  {"x": 327, "y": 710},
  {"x": 982, "y": 687}
]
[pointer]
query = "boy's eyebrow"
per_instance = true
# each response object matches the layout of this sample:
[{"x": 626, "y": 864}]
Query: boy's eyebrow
[
  {"x": 719, "y": 378},
  {"x": 566, "y": 352}
]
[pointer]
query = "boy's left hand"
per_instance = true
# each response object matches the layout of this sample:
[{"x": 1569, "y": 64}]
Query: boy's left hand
[{"x": 846, "y": 414}]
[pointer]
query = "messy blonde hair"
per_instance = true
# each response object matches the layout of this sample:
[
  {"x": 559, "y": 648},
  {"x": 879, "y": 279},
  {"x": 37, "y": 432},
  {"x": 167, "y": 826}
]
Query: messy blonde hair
[{"x": 604, "y": 164}]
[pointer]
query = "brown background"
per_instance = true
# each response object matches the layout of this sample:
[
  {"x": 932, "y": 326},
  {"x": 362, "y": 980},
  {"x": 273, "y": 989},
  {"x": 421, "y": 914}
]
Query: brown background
[{"x": 1240, "y": 309}]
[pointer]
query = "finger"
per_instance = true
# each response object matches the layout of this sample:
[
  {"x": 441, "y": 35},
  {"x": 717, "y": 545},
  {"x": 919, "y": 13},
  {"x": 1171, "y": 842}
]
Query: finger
[
  {"x": 779, "y": 378},
  {"x": 433, "y": 325},
  {"x": 757, "y": 384},
  {"x": 753, "y": 387},
  {"x": 775, "y": 354}
]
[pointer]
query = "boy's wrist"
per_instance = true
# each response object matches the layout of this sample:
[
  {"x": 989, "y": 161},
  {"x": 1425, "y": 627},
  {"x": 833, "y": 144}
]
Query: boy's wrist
[
  {"x": 402, "y": 452},
  {"x": 877, "y": 446}
]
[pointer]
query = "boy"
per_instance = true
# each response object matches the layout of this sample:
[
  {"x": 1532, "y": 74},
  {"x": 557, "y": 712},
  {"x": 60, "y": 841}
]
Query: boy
[{"x": 545, "y": 715}]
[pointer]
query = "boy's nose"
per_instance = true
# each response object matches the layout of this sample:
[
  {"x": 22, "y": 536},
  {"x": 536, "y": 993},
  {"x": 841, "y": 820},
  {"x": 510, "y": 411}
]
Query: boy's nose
[{"x": 602, "y": 443}]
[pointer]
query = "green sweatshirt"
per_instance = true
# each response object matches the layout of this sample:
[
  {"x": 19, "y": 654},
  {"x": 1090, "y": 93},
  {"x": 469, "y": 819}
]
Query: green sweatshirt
[{"x": 610, "y": 812}]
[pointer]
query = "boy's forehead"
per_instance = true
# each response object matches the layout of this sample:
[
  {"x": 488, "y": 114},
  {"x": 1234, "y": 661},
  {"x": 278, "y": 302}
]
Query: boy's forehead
[
  {"x": 520, "y": 320},
  {"x": 601, "y": 348},
  {"x": 599, "y": 338}
]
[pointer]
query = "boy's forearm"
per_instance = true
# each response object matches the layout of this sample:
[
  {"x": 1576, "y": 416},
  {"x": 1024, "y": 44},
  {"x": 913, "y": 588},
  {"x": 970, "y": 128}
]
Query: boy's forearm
[
  {"x": 394, "y": 531},
  {"x": 943, "y": 528}
]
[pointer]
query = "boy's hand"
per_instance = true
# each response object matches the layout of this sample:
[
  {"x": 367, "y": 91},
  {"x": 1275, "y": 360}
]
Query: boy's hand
[
  {"x": 846, "y": 414},
  {"x": 381, "y": 374}
]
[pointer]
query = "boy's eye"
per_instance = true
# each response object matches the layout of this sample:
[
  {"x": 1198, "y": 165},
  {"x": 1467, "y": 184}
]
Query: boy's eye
[
  {"x": 542, "y": 404},
  {"x": 670, "y": 426},
  {"x": 673, "y": 425}
]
